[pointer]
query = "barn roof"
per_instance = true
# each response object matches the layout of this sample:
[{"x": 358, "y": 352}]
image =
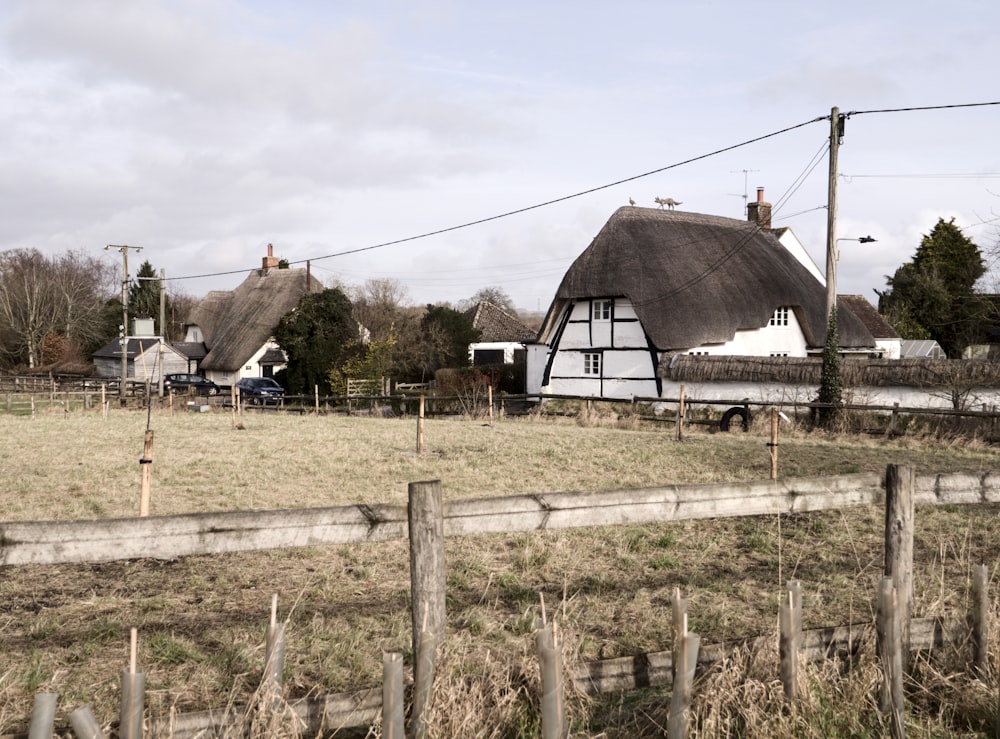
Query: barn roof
[
  {"x": 696, "y": 279},
  {"x": 877, "y": 326},
  {"x": 496, "y": 324},
  {"x": 236, "y": 324}
]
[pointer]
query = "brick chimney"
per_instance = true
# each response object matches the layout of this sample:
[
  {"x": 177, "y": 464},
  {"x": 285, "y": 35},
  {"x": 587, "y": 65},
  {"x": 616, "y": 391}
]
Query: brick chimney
[
  {"x": 760, "y": 212},
  {"x": 270, "y": 261}
]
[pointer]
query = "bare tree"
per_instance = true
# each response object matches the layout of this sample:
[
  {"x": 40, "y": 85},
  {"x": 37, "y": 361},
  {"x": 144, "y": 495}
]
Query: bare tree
[{"x": 42, "y": 298}]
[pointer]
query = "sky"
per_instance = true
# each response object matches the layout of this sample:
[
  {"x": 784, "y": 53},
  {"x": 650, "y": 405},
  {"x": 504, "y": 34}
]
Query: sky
[{"x": 344, "y": 133}]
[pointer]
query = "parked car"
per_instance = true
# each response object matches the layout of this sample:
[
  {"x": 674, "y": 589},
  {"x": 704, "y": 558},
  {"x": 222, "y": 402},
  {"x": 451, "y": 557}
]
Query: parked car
[
  {"x": 182, "y": 383},
  {"x": 261, "y": 390}
]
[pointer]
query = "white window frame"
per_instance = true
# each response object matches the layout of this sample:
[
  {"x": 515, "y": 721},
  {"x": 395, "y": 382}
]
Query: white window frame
[
  {"x": 780, "y": 317},
  {"x": 601, "y": 310},
  {"x": 592, "y": 364}
]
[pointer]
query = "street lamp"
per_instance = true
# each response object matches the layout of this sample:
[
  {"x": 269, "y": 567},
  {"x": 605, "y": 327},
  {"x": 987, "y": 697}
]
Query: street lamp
[{"x": 859, "y": 239}]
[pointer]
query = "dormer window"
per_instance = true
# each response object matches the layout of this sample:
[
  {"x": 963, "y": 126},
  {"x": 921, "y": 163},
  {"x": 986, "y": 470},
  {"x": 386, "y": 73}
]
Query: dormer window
[{"x": 780, "y": 317}]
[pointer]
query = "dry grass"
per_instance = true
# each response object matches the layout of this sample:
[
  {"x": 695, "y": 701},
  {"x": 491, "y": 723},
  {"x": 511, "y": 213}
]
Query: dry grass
[{"x": 201, "y": 620}]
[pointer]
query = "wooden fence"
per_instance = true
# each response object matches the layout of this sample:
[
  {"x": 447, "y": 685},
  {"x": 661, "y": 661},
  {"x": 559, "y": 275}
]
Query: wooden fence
[{"x": 167, "y": 537}]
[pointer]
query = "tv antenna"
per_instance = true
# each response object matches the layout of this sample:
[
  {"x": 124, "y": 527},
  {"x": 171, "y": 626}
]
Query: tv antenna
[{"x": 746, "y": 174}]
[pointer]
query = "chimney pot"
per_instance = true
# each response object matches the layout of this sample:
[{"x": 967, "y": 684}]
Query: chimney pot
[{"x": 760, "y": 212}]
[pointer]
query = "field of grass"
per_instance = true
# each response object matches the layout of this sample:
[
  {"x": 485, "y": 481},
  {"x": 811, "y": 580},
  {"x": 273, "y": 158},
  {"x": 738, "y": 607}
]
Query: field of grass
[{"x": 201, "y": 620}]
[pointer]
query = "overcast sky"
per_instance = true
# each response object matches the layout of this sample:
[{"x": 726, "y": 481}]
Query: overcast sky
[{"x": 202, "y": 130}]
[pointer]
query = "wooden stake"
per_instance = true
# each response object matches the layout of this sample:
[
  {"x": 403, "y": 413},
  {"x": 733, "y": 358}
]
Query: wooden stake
[
  {"x": 147, "y": 473},
  {"x": 679, "y": 426},
  {"x": 774, "y": 444},
  {"x": 489, "y": 393},
  {"x": 420, "y": 427}
]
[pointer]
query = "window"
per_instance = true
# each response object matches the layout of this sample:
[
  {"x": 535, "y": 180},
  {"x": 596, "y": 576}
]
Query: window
[
  {"x": 602, "y": 310},
  {"x": 592, "y": 364},
  {"x": 779, "y": 354},
  {"x": 780, "y": 317}
]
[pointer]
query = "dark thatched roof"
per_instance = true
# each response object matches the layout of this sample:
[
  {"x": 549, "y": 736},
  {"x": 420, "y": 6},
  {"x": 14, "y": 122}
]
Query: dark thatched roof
[
  {"x": 236, "y": 324},
  {"x": 918, "y": 373},
  {"x": 877, "y": 326},
  {"x": 696, "y": 279},
  {"x": 496, "y": 324}
]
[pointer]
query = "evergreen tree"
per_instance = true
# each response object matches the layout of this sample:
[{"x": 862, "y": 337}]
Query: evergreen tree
[
  {"x": 144, "y": 294},
  {"x": 317, "y": 336},
  {"x": 933, "y": 295},
  {"x": 830, "y": 388},
  {"x": 448, "y": 333}
]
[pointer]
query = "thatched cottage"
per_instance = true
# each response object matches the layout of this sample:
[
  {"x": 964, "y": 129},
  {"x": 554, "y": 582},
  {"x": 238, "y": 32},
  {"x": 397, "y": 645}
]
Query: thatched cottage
[
  {"x": 236, "y": 326},
  {"x": 657, "y": 283}
]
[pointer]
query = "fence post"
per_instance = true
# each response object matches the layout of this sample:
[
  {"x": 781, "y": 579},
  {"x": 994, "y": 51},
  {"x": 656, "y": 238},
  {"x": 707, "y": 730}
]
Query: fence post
[
  {"x": 899, "y": 485},
  {"x": 425, "y": 514},
  {"x": 888, "y": 630}
]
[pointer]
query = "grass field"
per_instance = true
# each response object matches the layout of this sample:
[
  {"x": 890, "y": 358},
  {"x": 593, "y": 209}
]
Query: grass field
[{"x": 201, "y": 620}]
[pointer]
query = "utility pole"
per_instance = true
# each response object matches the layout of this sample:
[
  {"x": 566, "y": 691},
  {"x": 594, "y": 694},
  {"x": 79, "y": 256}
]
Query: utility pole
[
  {"x": 836, "y": 133},
  {"x": 123, "y": 338},
  {"x": 163, "y": 317}
]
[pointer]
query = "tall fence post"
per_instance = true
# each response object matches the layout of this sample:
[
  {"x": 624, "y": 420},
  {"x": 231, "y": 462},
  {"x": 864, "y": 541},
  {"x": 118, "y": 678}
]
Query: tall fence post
[
  {"x": 425, "y": 514},
  {"x": 899, "y": 486},
  {"x": 888, "y": 631}
]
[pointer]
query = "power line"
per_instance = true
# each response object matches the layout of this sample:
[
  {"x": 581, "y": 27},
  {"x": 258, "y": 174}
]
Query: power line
[
  {"x": 529, "y": 207},
  {"x": 598, "y": 188},
  {"x": 917, "y": 108}
]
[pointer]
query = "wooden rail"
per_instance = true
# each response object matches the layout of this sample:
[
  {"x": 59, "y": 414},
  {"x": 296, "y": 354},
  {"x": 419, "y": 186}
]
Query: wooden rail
[{"x": 167, "y": 537}]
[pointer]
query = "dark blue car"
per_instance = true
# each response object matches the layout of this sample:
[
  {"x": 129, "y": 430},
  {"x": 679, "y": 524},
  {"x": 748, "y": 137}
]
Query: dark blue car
[{"x": 260, "y": 390}]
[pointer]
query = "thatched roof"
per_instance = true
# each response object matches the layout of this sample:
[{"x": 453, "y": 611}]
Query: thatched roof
[
  {"x": 236, "y": 324},
  {"x": 496, "y": 324},
  {"x": 861, "y": 307},
  {"x": 855, "y": 372},
  {"x": 696, "y": 279}
]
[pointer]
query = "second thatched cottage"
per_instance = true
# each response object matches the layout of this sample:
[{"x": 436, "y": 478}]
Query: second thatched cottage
[
  {"x": 659, "y": 283},
  {"x": 234, "y": 328}
]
